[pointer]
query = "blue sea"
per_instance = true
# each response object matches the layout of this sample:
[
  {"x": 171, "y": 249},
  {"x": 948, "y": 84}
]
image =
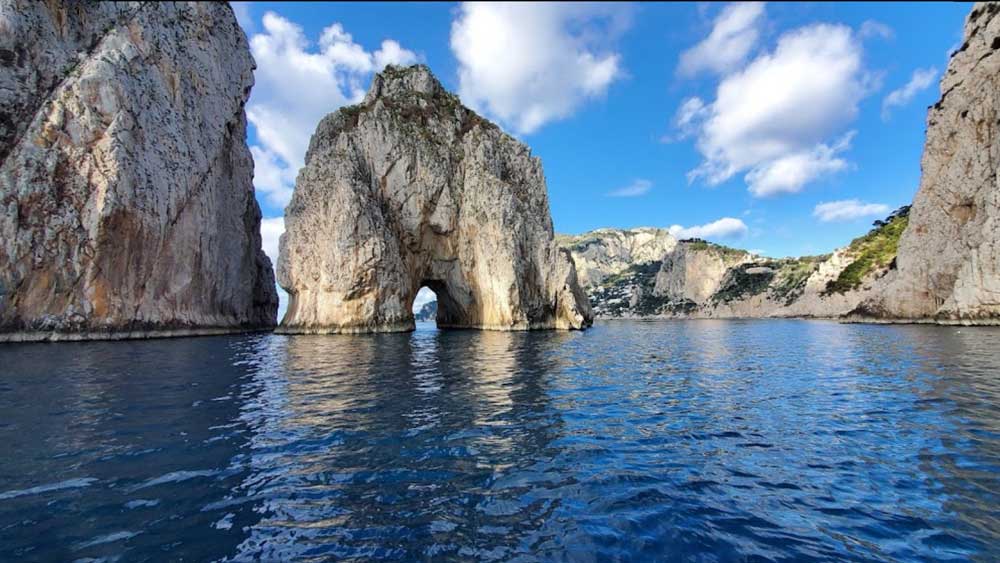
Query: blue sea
[{"x": 633, "y": 441}]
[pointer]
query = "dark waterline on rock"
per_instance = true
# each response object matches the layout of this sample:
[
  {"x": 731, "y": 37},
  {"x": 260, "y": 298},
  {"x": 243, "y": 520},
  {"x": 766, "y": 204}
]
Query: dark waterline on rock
[{"x": 706, "y": 440}]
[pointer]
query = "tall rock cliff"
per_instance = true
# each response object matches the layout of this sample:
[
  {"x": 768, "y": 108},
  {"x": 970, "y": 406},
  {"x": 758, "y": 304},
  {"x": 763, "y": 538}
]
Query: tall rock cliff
[
  {"x": 126, "y": 197},
  {"x": 694, "y": 271},
  {"x": 949, "y": 256},
  {"x": 411, "y": 189}
]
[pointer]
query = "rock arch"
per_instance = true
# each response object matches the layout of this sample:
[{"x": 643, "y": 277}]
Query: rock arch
[{"x": 410, "y": 189}]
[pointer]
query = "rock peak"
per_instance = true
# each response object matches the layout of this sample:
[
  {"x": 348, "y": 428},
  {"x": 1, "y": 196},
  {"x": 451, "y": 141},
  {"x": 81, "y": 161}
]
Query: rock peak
[
  {"x": 401, "y": 80},
  {"x": 408, "y": 190}
]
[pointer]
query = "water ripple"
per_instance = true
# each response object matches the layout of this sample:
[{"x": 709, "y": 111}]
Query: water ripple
[{"x": 708, "y": 441}]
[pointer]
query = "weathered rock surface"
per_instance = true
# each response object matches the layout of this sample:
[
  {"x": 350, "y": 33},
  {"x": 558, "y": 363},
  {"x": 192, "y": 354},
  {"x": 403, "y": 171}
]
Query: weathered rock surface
[
  {"x": 607, "y": 252},
  {"x": 694, "y": 270},
  {"x": 949, "y": 257},
  {"x": 126, "y": 197},
  {"x": 411, "y": 189}
]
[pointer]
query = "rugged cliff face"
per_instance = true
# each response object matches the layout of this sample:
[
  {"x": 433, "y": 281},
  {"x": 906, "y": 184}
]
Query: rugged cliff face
[
  {"x": 694, "y": 270},
  {"x": 126, "y": 197},
  {"x": 411, "y": 189},
  {"x": 949, "y": 257},
  {"x": 607, "y": 252},
  {"x": 700, "y": 279}
]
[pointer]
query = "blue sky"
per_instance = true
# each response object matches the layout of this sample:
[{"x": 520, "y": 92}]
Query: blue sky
[{"x": 782, "y": 128}]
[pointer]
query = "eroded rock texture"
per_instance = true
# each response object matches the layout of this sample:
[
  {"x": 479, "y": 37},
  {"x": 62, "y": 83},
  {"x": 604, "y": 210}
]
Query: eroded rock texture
[
  {"x": 126, "y": 197},
  {"x": 411, "y": 189},
  {"x": 694, "y": 271},
  {"x": 949, "y": 256},
  {"x": 606, "y": 252}
]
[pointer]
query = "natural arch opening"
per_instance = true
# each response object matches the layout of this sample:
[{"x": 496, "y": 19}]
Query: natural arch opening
[
  {"x": 433, "y": 303},
  {"x": 425, "y": 305}
]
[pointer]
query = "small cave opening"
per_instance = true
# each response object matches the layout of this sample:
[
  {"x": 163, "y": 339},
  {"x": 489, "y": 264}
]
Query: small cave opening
[
  {"x": 425, "y": 306},
  {"x": 433, "y": 304}
]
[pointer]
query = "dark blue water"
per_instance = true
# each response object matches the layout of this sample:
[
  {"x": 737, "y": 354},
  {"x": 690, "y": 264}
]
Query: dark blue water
[{"x": 702, "y": 441}]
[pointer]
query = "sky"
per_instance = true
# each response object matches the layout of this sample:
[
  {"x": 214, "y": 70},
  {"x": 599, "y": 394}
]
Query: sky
[{"x": 781, "y": 128}]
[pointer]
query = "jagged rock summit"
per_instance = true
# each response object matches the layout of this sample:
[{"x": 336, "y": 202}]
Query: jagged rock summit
[
  {"x": 126, "y": 196},
  {"x": 949, "y": 256},
  {"x": 411, "y": 189}
]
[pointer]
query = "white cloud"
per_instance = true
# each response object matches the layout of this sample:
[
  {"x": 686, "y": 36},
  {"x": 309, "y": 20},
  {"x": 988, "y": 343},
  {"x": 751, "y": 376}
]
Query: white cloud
[
  {"x": 922, "y": 79},
  {"x": 734, "y": 34},
  {"x": 528, "y": 64},
  {"x": 773, "y": 119},
  {"x": 872, "y": 28},
  {"x": 848, "y": 210},
  {"x": 727, "y": 227},
  {"x": 691, "y": 113},
  {"x": 789, "y": 173},
  {"x": 272, "y": 177},
  {"x": 637, "y": 188},
  {"x": 297, "y": 83},
  {"x": 271, "y": 229}
]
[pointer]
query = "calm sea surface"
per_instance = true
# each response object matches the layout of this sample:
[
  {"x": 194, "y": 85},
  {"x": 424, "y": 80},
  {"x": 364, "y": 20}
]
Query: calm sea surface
[{"x": 696, "y": 440}]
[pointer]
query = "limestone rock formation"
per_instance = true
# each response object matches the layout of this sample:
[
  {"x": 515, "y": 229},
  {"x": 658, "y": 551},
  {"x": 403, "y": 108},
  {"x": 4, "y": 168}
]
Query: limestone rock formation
[
  {"x": 949, "y": 257},
  {"x": 607, "y": 252},
  {"x": 411, "y": 189},
  {"x": 126, "y": 197},
  {"x": 695, "y": 269}
]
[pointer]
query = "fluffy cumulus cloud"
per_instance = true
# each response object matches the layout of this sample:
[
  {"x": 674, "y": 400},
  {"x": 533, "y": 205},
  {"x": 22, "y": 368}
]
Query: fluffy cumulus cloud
[
  {"x": 734, "y": 34},
  {"x": 297, "y": 83},
  {"x": 848, "y": 210},
  {"x": 271, "y": 230},
  {"x": 789, "y": 173},
  {"x": 727, "y": 227},
  {"x": 922, "y": 79},
  {"x": 637, "y": 188},
  {"x": 527, "y": 64},
  {"x": 780, "y": 118}
]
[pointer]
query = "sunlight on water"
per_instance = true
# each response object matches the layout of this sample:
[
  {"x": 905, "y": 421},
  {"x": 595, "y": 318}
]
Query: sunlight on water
[{"x": 634, "y": 440}]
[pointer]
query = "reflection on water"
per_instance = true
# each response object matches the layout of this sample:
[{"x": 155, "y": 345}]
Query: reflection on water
[{"x": 705, "y": 440}]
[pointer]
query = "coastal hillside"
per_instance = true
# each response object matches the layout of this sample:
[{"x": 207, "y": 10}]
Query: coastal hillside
[
  {"x": 700, "y": 279},
  {"x": 427, "y": 312}
]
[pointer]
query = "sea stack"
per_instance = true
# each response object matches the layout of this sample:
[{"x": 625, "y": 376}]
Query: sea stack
[
  {"x": 948, "y": 266},
  {"x": 125, "y": 179},
  {"x": 411, "y": 189}
]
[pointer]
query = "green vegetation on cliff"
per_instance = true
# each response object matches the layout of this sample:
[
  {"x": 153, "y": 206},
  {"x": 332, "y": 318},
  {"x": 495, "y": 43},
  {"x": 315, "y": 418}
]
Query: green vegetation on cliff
[
  {"x": 793, "y": 273},
  {"x": 698, "y": 244},
  {"x": 784, "y": 279},
  {"x": 875, "y": 250}
]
